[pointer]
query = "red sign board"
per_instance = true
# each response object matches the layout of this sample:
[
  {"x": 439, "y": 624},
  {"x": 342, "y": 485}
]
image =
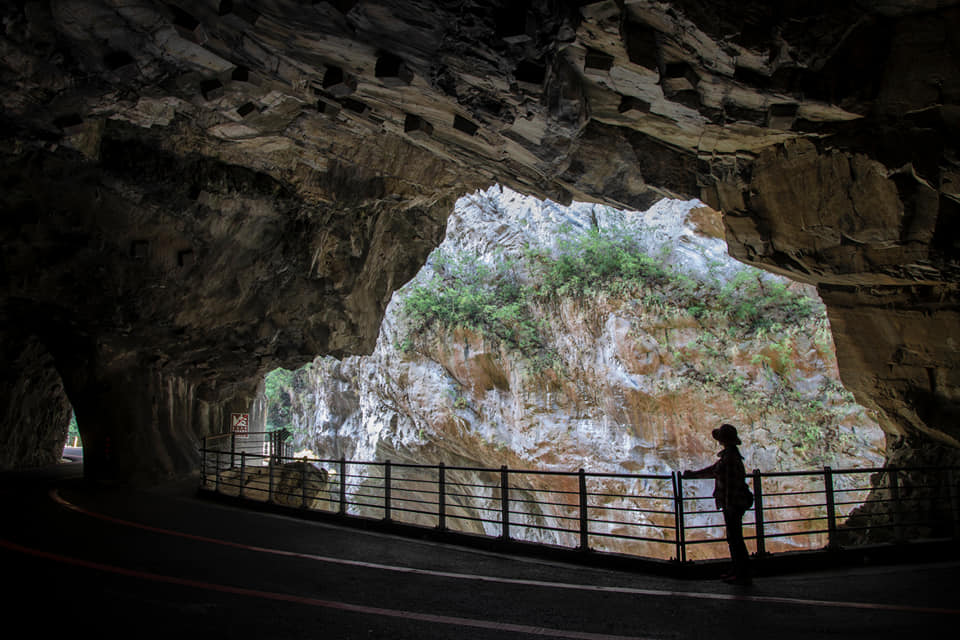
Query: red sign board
[{"x": 240, "y": 424}]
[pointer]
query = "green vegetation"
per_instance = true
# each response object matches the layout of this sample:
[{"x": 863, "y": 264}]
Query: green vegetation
[
  {"x": 755, "y": 303},
  {"x": 282, "y": 389},
  {"x": 600, "y": 262},
  {"x": 73, "y": 432},
  {"x": 465, "y": 292},
  {"x": 808, "y": 420},
  {"x": 505, "y": 301}
]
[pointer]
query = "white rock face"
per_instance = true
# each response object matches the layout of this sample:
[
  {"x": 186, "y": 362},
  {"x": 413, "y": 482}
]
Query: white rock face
[{"x": 636, "y": 389}]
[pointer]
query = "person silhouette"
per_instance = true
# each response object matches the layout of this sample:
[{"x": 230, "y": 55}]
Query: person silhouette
[{"x": 732, "y": 497}]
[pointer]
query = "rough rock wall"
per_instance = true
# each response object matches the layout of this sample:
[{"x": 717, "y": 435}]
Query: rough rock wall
[
  {"x": 220, "y": 187},
  {"x": 190, "y": 270},
  {"x": 635, "y": 387},
  {"x": 34, "y": 395}
]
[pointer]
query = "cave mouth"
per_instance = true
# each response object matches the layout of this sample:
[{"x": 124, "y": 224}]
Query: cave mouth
[
  {"x": 664, "y": 333},
  {"x": 74, "y": 439},
  {"x": 688, "y": 332}
]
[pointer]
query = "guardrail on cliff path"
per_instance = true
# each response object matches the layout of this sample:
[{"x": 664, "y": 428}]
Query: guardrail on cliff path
[{"x": 653, "y": 516}]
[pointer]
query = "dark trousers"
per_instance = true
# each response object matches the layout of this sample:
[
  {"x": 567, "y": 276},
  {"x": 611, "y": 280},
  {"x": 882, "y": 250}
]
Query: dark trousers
[{"x": 733, "y": 519}]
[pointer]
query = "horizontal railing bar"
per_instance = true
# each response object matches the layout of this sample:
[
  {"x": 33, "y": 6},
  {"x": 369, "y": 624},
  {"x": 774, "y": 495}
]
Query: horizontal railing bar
[
  {"x": 397, "y": 500},
  {"x": 793, "y": 520},
  {"x": 394, "y": 507},
  {"x": 623, "y": 536},
  {"x": 872, "y": 525},
  {"x": 542, "y": 502},
  {"x": 451, "y": 516},
  {"x": 775, "y": 494},
  {"x": 793, "y": 507},
  {"x": 394, "y": 486},
  {"x": 537, "y": 515},
  {"x": 645, "y": 525},
  {"x": 476, "y": 486},
  {"x": 797, "y": 534},
  {"x": 792, "y": 474},
  {"x": 556, "y": 491},
  {"x": 597, "y": 507},
  {"x": 540, "y": 527},
  {"x": 899, "y": 469},
  {"x": 494, "y": 509},
  {"x": 470, "y": 495},
  {"x": 402, "y": 485},
  {"x": 626, "y": 496}
]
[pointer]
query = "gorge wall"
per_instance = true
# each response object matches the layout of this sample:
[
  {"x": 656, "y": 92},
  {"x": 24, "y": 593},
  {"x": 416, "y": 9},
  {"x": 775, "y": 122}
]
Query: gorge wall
[
  {"x": 626, "y": 377},
  {"x": 197, "y": 193}
]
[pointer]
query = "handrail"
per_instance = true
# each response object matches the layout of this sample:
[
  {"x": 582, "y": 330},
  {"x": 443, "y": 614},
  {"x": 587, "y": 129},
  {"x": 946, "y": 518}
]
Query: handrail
[{"x": 661, "y": 516}]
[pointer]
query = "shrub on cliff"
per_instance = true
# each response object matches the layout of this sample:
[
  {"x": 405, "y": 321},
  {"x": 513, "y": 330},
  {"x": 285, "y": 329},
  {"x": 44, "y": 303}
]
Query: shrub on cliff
[
  {"x": 754, "y": 302},
  {"x": 496, "y": 301},
  {"x": 595, "y": 262},
  {"x": 465, "y": 292}
]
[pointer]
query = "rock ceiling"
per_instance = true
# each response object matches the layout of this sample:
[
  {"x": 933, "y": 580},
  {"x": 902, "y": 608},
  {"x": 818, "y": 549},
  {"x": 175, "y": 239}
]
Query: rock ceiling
[{"x": 197, "y": 192}]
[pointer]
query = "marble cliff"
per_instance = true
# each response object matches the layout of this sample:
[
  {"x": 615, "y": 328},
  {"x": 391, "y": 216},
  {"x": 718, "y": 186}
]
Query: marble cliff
[
  {"x": 624, "y": 378},
  {"x": 196, "y": 193}
]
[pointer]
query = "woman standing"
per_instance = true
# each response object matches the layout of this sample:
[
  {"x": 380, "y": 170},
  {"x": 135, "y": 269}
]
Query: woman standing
[{"x": 732, "y": 496}]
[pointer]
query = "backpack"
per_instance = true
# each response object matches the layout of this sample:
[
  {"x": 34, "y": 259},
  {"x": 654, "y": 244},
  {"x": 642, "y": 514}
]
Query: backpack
[{"x": 742, "y": 498}]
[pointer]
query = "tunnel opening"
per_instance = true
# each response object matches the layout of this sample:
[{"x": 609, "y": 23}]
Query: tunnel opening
[
  {"x": 74, "y": 439},
  {"x": 537, "y": 335}
]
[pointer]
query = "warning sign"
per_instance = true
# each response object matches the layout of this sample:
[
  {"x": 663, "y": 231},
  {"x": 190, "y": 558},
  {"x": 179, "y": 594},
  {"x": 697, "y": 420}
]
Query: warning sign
[{"x": 240, "y": 424}]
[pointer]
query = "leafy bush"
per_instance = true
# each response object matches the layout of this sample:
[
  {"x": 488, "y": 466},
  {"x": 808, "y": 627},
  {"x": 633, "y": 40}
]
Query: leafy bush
[
  {"x": 281, "y": 386},
  {"x": 465, "y": 292},
  {"x": 595, "y": 262},
  {"x": 754, "y": 302}
]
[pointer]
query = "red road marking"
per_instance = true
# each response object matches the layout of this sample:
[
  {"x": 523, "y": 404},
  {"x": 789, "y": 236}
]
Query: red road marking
[{"x": 514, "y": 581}]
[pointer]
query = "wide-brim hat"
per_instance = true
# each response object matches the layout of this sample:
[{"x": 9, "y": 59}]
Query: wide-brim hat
[{"x": 726, "y": 434}]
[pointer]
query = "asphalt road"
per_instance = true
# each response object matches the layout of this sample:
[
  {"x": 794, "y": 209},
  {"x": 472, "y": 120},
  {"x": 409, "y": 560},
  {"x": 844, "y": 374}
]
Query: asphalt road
[{"x": 164, "y": 564}]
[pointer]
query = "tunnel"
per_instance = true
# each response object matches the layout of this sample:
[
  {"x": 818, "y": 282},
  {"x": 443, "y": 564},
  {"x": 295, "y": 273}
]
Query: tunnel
[{"x": 180, "y": 217}]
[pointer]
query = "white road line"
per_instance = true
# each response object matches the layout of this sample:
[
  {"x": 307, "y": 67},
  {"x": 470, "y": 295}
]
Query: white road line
[{"x": 662, "y": 593}]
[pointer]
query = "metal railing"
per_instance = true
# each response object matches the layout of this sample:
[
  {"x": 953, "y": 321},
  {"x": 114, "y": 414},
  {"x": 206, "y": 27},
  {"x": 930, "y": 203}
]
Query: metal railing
[{"x": 662, "y": 516}]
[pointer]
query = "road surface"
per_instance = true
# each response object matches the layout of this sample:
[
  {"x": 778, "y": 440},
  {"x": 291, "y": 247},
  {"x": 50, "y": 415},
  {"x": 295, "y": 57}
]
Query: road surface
[{"x": 164, "y": 564}]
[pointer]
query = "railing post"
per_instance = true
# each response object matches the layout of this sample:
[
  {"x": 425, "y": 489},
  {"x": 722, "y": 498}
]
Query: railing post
[
  {"x": 678, "y": 510},
  {"x": 954, "y": 501},
  {"x": 758, "y": 513},
  {"x": 217, "y": 471},
  {"x": 831, "y": 508},
  {"x": 303, "y": 484},
  {"x": 343, "y": 486},
  {"x": 584, "y": 516},
  {"x": 203, "y": 463},
  {"x": 386, "y": 491},
  {"x": 270, "y": 475},
  {"x": 441, "y": 497},
  {"x": 897, "y": 506},
  {"x": 504, "y": 503},
  {"x": 233, "y": 450},
  {"x": 243, "y": 470}
]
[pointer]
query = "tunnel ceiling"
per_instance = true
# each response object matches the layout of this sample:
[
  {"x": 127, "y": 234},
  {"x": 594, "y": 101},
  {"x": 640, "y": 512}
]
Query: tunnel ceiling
[{"x": 197, "y": 192}]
